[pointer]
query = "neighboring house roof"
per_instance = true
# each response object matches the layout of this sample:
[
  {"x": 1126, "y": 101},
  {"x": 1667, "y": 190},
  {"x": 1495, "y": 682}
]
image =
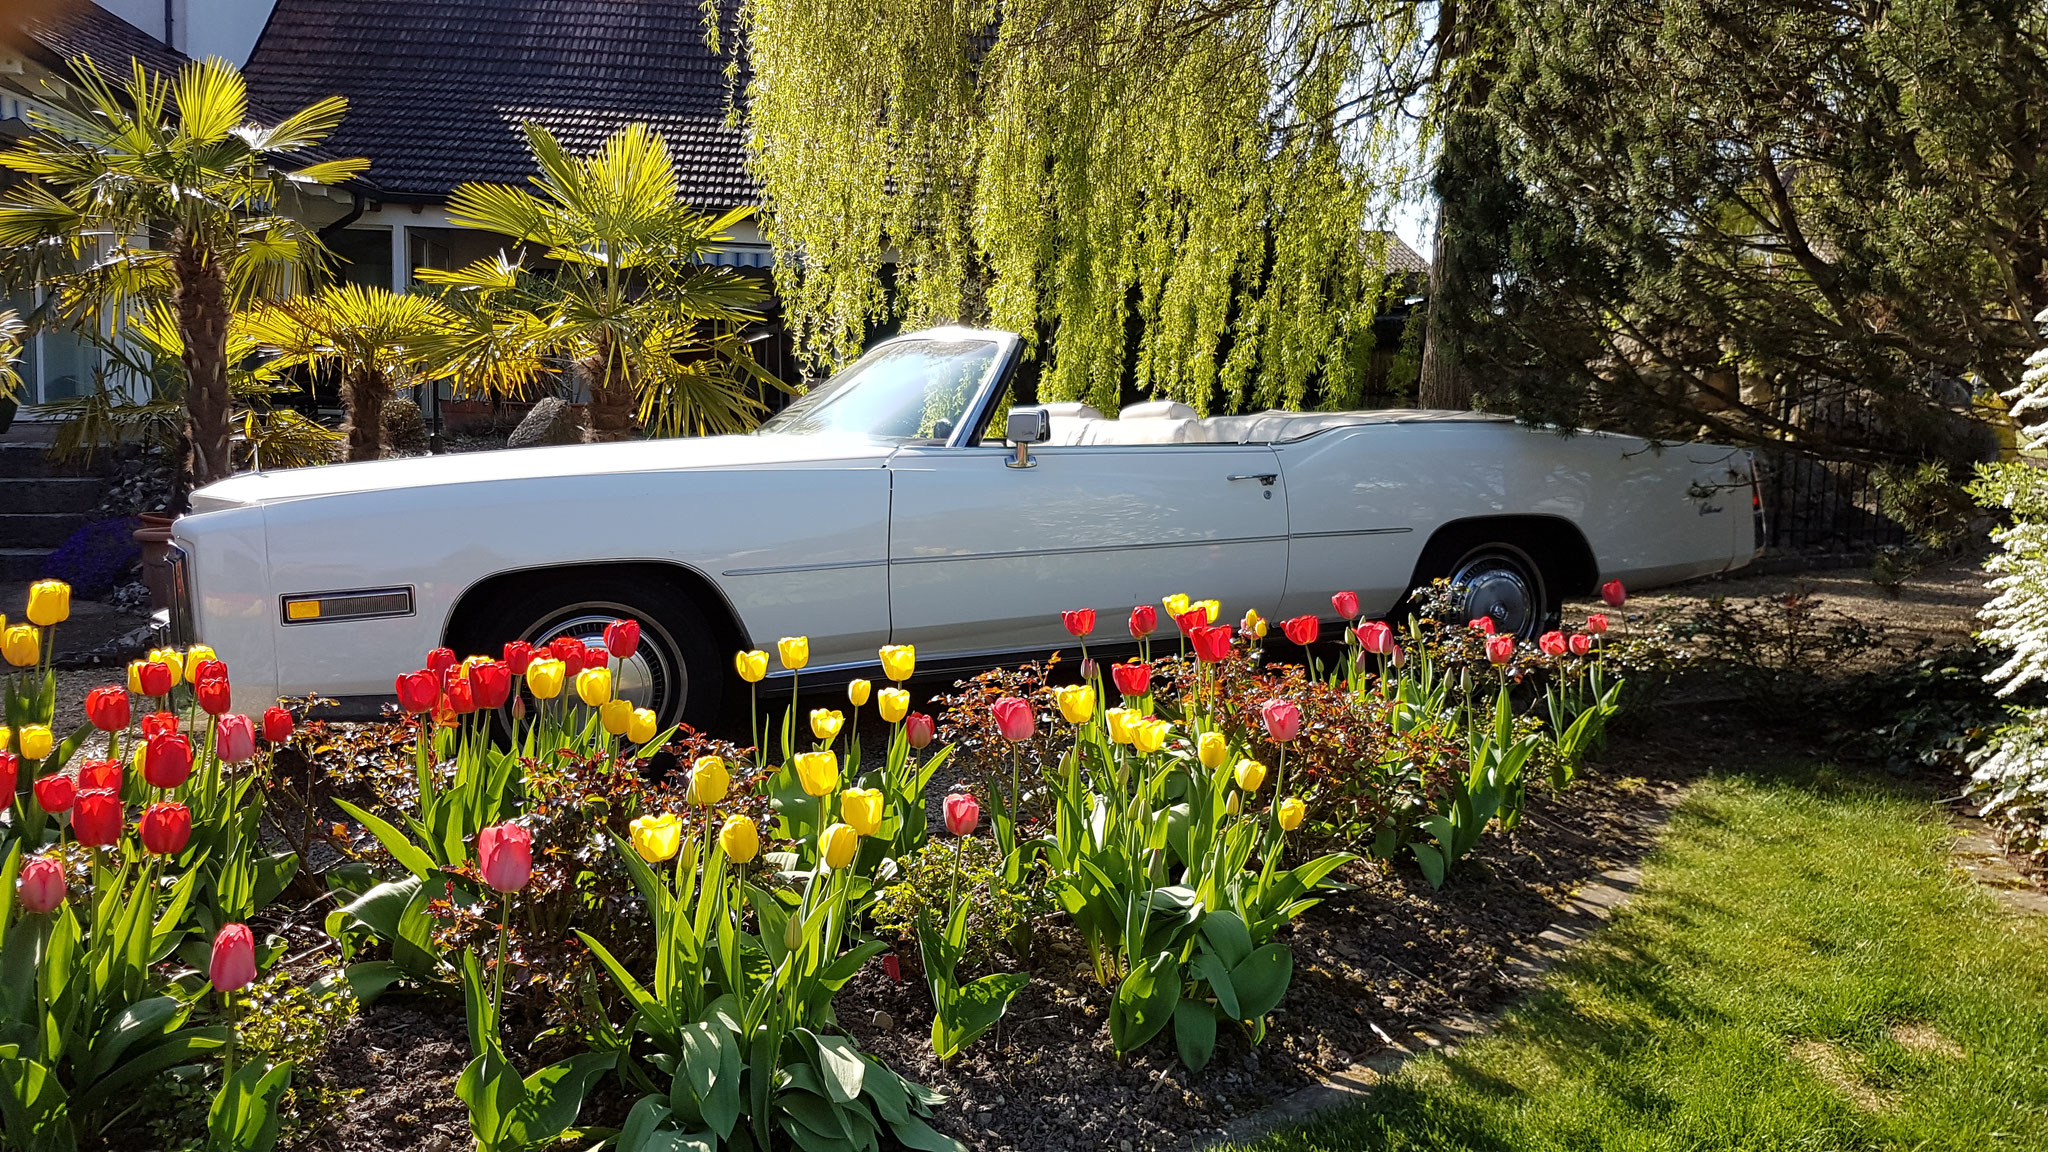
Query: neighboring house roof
[
  {"x": 1403, "y": 259},
  {"x": 53, "y": 32},
  {"x": 437, "y": 88}
]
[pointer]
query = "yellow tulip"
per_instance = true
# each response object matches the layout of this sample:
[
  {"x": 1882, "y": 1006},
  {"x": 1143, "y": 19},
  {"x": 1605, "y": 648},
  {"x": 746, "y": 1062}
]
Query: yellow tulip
[
  {"x": 899, "y": 661},
  {"x": 709, "y": 780},
  {"x": 6, "y": 734},
  {"x": 1210, "y": 608},
  {"x": 1234, "y": 805},
  {"x": 198, "y": 652},
  {"x": 593, "y": 685},
  {"x": 826, "y": 723},
  {"x": 1254, "y": 624},
  {"x": 1250, "y": 774},
  {"x": 818, "y": 772},
  {"x": 615, "y": 716},
  {"x": 34, "y": 741},
  {"x": 739, "y": 838},
  {"x": 837, "y": 844},
  {"x": 645, "y": 724},
  {"x": 1076, "y": 701},
  {"x": 1289, "y": 813},
  {"x": 1176, "y": 605},
  {"x": 544, "y": 678},
  {"x": 858, "y": 692},
  {"x": 135, "y": 676},
  {"x": 1120, "y": 724},
  {"x": 1211, "y": 748},
  {"x": 794, "y": 650},
  {"x": 752, "y": 665},
  {"x": 49, "y": 602},
  {"x": 170, "y": 658},
  {"x": 862, "y": 809},
  {"x": 1149, "y": 735},
  {"x": 22, "y": 644},
  {"x": 656, "y": 838},
  {"x": 894, "y": 703}
]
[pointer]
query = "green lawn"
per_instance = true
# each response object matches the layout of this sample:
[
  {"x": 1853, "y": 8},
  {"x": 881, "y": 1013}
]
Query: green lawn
[{"x": 1802, "y": 969}]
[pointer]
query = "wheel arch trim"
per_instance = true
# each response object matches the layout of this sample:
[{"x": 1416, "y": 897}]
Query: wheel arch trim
[
  {"x": 1555, "y": 543},
  {"x": 690, "y": 580}
]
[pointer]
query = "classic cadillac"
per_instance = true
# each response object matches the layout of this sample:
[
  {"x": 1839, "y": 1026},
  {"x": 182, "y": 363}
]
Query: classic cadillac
[{"x": 889, "y": 505}]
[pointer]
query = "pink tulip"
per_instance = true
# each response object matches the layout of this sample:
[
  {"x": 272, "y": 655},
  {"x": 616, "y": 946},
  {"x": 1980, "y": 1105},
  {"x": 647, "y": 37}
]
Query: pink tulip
[
  {"x": 963, "y": 814},
  {"x": 41, "y": 886},
  {"x": 1282, "y": 719},
  {"x": 1346, "y": 604},
  {"x": 919, "y": 729},
  {"x": 1553, "y": 644},
  {"x": 1581, "y": 644},
  {"x": 1014, "y": 718},
  {"x": 1614, "y": 594},
  {"x": 1375, "y": 637},
  {"x": 506, "y": 852},
  {"x": 1500, "y": 649},
  {"x": 234, "y": 738},
  {"x": 1596, "y": 623},
  {"x": 1482, "y": 624},
  {"x": 1397, "y": 657},
  {"x": 234, "y": 959}
]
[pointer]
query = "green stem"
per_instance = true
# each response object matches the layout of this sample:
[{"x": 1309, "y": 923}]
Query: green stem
[{"x": 498, "y": 977}]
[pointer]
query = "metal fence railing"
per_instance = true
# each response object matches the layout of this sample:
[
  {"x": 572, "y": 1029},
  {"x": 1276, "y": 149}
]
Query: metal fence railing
[{"x": 1824, "y": 506}]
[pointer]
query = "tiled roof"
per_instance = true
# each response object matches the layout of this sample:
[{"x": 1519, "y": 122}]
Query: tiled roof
[
  {"x": 437, "y": 88},
  {"x": 57, "y": 31},
  {"x": 1402, "y": 258}
]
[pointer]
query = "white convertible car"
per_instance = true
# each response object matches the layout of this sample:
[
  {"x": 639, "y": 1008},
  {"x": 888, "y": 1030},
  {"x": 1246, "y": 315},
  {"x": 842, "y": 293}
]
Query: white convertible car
[{"x": 882, "y": 507}]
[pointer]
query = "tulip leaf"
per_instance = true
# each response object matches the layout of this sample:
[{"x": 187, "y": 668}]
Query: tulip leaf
[
  {"x": 1144, "y": 1001},
  {"x": 1226, "y": 933},
  {"x": 1262, "y": 979},
  {"x": 400, "y": 846},
  {"x": 710, "y": 1071},
  {"x": 553, "y": 1096},
  {"x": 273, "y": 872},
  {"x": 1194, "y": 1033},
  {"x": 244, "y": 1113},
  {"x": 841, "y": 1066}
]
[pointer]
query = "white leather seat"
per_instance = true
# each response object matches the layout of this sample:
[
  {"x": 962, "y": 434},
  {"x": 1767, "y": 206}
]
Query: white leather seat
[
  {"x": 1068, "y": 420},
  {"x": 1153, "y": 422}
]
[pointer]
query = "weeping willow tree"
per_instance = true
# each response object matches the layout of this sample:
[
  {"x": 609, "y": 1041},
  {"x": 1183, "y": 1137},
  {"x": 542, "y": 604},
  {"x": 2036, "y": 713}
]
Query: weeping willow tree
[{"x": 1169, "y": 197}]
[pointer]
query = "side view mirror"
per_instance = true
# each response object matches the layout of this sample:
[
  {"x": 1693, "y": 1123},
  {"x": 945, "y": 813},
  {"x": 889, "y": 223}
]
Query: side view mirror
[{"x": 1027, "y": 426}]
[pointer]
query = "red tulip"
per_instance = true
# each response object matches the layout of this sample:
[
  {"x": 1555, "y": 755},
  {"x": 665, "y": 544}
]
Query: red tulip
[
  {"x": 1500, "y": 649},
  {"x": 1079, "y": 621},
  {"x": 1131, "y": 679},
  {"x": 569, "y": 650},
  {"x": 1192, "y": 619},
  {"x": 1212, "y": 642},
  {"x": 277, "y": 725},
  {"x": 506, "y": 854},
  {"x": 166, "y": 828},
  {"x": 1581, "y": 643},
  {"x": 107, "y": 708},
  {"x": 518, "y": 654},
  {"x": 103, "y": 775},
  {"x": 440, "y": 660},
  {"x": 418, "y": 691},
  {"x": 234, "y": 738},
  {"x": 596, "y": 656},
  {"x": 41, "y": 886},
  {"x": 491, "y": 682},
  {"x": 1482, "y": 624},
  {"x": 214, "y": 695},
  {"x": 963, "y": 814},
  {"x": 234, "y": 959},
  {"x": 56, "y": 793},
  {"x": 166, "y": 760},
  {"x": 1015, "y": 719},
  {"x": 155, "y": 678},
  {"x": 1614, "y": 594},
  {"x": 10, "y": 772},
  {"x": 1144, "y": 618},
  {"x": 97, "y": 818},
  {"x": 622, "y": 638},
  {"x": 1553, "y": 644},
  {"x": 1596, "y": 623},
  {"x": 919, "y": 729},
  {"x": 1282, "y": 719},
  {"x": 157, "y": 723},
  {"x": 1346, "y": 604},
  {"x": 1303, "y": 630},
  {"x": 461, "y": 696},
  {"x": 206, "y": 670},
  {"x": 1376, "y": 637}
]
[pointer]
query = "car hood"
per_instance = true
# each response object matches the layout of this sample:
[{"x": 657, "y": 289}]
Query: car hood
[{"x": 694, "y": 453}]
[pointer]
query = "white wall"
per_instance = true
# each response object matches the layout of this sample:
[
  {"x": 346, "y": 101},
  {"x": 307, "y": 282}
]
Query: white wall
[{"x": 199, "y": 28}]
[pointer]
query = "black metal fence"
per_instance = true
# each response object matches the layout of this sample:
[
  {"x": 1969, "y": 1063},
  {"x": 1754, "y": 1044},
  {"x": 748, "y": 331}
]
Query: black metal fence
[{"x": 1824, "y": 506}]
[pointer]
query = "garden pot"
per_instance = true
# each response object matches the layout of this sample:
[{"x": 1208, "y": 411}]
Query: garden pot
[{"x": 154, "y": 537}]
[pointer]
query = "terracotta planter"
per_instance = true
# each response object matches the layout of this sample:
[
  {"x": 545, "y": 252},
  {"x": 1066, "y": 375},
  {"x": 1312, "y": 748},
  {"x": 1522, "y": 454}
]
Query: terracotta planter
[{"x": 154, "y": 537}]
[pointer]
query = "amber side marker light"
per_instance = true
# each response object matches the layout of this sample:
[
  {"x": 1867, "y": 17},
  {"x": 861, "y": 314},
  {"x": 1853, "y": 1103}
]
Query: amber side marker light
[{"x": 364, "y": 604}]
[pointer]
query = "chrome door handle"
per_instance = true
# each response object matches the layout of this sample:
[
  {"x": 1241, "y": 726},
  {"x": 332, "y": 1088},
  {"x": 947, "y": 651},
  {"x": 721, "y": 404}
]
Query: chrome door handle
[{"x": 1265, "y": 478}]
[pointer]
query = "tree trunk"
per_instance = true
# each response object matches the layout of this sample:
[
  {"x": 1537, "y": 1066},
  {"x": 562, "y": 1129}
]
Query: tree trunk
[
  {"x": 1442, "y": 385},
  {"x": 367, "y": 391},
  {"x": 201, "y": 299},
  {"x": 612, "y": 399}
]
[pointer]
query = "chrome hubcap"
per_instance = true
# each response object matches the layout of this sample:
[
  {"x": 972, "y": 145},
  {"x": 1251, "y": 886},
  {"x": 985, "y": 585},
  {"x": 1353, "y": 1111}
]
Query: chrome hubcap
[
  {"x": 650, "y": 678},
  {"x": 1496, "y": 589}
]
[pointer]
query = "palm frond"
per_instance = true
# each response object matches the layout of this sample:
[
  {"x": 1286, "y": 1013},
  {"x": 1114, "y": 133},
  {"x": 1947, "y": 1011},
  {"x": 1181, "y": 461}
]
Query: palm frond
[
  {"x": 302, "y": 129},
  {"x": 211, "y": 98}
]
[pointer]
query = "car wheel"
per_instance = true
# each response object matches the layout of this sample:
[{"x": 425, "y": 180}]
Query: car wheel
[
  {"x": 1501, "y": 582},
  {"x": 675, "y": 671}
]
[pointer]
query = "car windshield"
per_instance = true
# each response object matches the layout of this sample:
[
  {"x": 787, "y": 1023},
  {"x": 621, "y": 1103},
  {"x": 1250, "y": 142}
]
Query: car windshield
[{"x": 903, "y": 391}]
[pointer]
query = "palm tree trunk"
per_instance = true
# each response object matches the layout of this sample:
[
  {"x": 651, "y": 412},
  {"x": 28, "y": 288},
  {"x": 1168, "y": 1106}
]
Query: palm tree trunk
[
  {"x": 201, "y": 299},
  {"x": 367, "y": 391},
  {"x": 612, "y": 402}
]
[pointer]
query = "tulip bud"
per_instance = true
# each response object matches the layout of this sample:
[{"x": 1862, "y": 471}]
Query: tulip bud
[
  {"x": 233, "y": 966},
  {"x": 709, "y": 780},
  {"x": 41, "y": 886},
  {"x": 837, "y": 845},
  {"x": 752, "y": 666},
  {"x": 656, "y": 838},
  {"x": 740, "y": 840},
  {"x": 894, "y": 704},
  {"x": 1235, "y": 804},
  {"x": 1089, "y": 668},
  {"x": 506, "y": 854},
  {"x": 919, "y": 729},
  {"x": 1210, "y": 748}
]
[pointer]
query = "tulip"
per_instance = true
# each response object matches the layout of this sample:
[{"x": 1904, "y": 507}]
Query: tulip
[
  {"x": 1375, "y": 637},
  {"x": 858, "y": 691},
  {"x": 1553, "y": 644},
  {"x": 837, "y": 845},
  {"x": 97, "y": 818},
  {"x": 1253, "y": 625},
  {"x": 277, "y": 725},
  {"x": 171, "y": 659},
  {"x": 491, "y": 682},
  {"x": 1089, "y": 668},
  {"x": 440, "y": 660},
  {"x": 1611, "y": 592},
  {"x": 596, "y": 656},
  {"x": 739, "y": 838},
  {"x": 1015, "y": 719},
  {"x": 861, "y": 808},
  {"x": 615, "y": 716},
  {"x": 1191, "y": 619},
  {"x": 135, "y": 668},
  {"x": 56, "y": 793},
  {"x": 10, "y": 771},
  {"x": 1212, "y": 643},
  {"x": 200, "y": 652},
  {"x": 214, "y": 695},
  {"x": 826, "y": 723},
  {"x": 1234, "y": 805},
  {"x": 795, "y": 651},
  {"x": 709, "y": 780},
  {"x": 1249, "y": 774},
  {"x": 962, "y": 813},
  {"x": 99, "y": 775},
  {"x": 1144, "y": 620},
  {"x": 34, "y": 741},
  {"x": 818, "y": 772},
  {"x": 197, "y": 670},
  {"x": 899, "y": 661},
  {"x": 1481, "y": 624},
  {"x": 1282, "y": 719},
  {"x": 543, "y": 678},
  {"x": 1210, "y": 748},
  {"x": 1119, "y": 721},
  {"x": 41, "y": 885},
  {"x": 417, "y": 691},
  {"x": 752, "y": 666},
  {"x": 233, "y": 966},
  {"x": 1303, "y": 630},
  {"x": 644, "y": 726},
  {"x": 22, "y": 645},
  {"x": 158, "y": 723},
  {"x": 919, "y": 729},
  {"x": 1076, "y": 702},
  {"x": 6, "y": 734},
  {"x": 1289, "y": 813},
  {"x": 167, "y": 759},
  {"x": 518, "y": 654},
  {"x": 893, "y": 703},
  {"x": 1346, "y": 604},
  {"x": 506, "y": 854},
  {"x": 594, "y": 686},
  {"x": 1131, "y": 679},
  {"x": 107, "y": 708},
  {"x": 1596, "y": 623},
  {"x": 1148, "y": 735},
  {"x": 1581, "y": 644},
  {"x": 1212, "y": 610},
  {"x": 656, "y": 838},
  {"x": 622, "y": 638},
  {"x": 571, "y": 652},
  {"x": 49, "y": 602},
  {"x": 166, "y": 828},
  {"x": 1079, "y": 621},
  {"x": 234, "y": 738},
  {"x": 1500, "y": 649},
  {"x": 1176, "y": 605},
  {"x": 156, "y": 678}
]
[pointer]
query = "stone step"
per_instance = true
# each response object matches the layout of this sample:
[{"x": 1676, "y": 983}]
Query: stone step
[
  {"x": 27, "y": 495},
  {"x": 38, "y": 529},
  {"x": 31, "y": 461},
  {"x": 18, "y": 564}
]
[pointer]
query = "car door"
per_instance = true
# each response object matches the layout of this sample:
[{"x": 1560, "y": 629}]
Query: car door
[{"x": 984, "y": 556}]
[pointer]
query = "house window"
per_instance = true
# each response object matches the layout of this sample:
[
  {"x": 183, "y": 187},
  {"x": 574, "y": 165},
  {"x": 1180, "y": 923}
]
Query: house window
[
  {"x": 364, "y": 255},
  {"x": 56, "y": 364}
]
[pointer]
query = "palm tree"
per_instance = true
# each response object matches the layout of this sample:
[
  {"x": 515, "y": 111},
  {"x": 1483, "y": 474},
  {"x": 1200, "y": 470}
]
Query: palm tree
[
  {"x": 625, "y": 295},
  {"x": 12, "y": 333},
  {"x": 162, "y": 190},
  {"x": 372, "y": 338}
]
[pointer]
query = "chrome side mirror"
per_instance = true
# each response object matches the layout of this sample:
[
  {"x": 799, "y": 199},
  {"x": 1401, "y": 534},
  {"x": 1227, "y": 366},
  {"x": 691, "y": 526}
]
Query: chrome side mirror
[{"x": 1026, "y": 426}]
